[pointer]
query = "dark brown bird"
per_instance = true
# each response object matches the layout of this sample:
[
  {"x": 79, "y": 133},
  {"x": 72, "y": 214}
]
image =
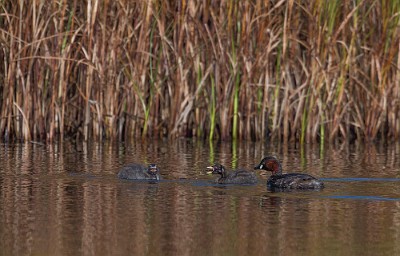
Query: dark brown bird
[
  {"x": 140, "y": 172},
  {"x": 287, "y": 180},
  {"x": 234, "y": 177}
]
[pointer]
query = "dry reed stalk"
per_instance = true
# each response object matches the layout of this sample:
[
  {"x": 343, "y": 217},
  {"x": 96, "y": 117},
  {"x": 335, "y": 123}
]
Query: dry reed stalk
[{"x": 237, "y": 69}]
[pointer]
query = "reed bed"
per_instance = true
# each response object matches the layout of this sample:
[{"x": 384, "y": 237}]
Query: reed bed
[{"x": 304, "y": 71}]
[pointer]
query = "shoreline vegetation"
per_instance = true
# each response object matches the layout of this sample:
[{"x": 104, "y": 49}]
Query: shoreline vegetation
[{"x": 253, "y": 70}]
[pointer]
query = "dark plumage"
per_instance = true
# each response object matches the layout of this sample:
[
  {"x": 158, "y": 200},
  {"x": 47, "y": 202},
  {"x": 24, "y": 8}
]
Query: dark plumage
[
  {"x": 288, "y": 180},
  {"x": 234, "y": 177},
  {"x": 140, "y": 172}
]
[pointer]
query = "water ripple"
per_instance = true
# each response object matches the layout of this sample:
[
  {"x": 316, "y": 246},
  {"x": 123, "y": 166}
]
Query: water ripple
[
  {"x": 373, "y": 198},
  {"x": 361, "y": 179}
]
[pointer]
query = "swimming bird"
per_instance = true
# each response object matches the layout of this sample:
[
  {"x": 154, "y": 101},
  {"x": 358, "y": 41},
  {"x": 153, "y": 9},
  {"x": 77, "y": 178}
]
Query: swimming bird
[
  {"x": 287, "y": 180},
  {"x": 139, "y": 172},
  {"x": 234, "y": 177}
]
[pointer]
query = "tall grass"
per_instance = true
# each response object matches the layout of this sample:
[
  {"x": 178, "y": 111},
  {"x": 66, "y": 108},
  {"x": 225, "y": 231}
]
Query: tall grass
[{"x": 289, "y": 70}]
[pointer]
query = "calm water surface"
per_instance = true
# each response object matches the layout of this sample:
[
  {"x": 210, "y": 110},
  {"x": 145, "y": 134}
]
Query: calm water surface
[{"x": 66, "y": 200}]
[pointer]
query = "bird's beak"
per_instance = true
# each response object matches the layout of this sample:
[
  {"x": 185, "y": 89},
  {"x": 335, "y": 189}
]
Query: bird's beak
[
  {"x": 153, "y": 169},
  {"x": 258, "y": 167}
]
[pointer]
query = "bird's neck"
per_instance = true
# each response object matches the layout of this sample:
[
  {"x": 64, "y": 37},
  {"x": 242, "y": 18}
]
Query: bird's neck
[
  {"x": 277, "y": 169},
  {"x": 223, "y": 174}
]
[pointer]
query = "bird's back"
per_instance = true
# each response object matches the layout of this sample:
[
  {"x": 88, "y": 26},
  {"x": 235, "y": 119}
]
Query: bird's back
[
  {"x": 241, "y": 177},
  {"x": 294, "y": 181},
  {"x": 133, "y": 172}
]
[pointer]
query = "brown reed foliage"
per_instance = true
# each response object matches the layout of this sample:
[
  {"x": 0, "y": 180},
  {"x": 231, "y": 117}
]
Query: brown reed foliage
[{"x": 293, "y": 70}]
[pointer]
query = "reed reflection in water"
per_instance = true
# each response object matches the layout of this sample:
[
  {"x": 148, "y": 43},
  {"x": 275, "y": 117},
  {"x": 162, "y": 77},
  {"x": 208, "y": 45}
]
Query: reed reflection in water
[{"x": 66, "y": 199}]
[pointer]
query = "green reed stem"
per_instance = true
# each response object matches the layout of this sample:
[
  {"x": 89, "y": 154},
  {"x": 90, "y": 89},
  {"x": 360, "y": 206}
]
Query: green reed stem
[
  {"x": 147, "y": 107},
  {"x": 212, "y": 109},
  {"x": 304, "y": 120},
  {"x": 236, "y": 107},
  {"x": 237, "y": 84}
]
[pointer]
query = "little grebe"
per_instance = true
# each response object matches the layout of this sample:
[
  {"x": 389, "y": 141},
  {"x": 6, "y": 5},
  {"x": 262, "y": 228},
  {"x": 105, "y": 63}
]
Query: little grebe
[
  {"x": 287, "y": 180},
  {"x": 234, "y": 177},
  {"x": 140, "y": 172}
]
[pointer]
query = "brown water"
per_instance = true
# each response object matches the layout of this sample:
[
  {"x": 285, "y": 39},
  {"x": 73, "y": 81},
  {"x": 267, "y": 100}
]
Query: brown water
[{"x": 67, "y": 200}]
